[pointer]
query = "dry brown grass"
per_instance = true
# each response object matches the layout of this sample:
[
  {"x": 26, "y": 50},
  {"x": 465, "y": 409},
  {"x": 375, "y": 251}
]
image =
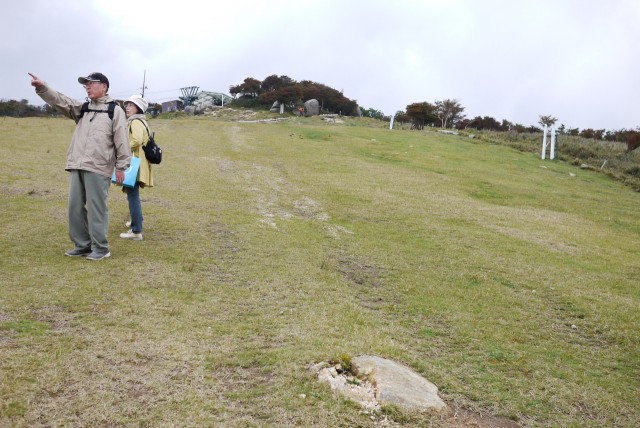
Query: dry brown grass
[{"x": 271, "y": 246}]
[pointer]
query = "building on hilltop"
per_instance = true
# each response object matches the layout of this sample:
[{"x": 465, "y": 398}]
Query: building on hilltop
[
  {"x": 175, "y": 105},
  {"x": 203, "y": 101},
  {"x": 208, "y": 99}
]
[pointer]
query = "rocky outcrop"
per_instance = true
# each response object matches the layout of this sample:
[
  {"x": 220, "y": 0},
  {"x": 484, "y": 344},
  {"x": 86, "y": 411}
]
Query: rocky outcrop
[{"x": 375, "y": 381}]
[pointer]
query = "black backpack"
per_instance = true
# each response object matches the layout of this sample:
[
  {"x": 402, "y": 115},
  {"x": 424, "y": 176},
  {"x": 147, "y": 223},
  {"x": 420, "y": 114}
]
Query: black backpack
[
  {"x": 152, "y": 151},
  {"x": 85, "y": 109}
]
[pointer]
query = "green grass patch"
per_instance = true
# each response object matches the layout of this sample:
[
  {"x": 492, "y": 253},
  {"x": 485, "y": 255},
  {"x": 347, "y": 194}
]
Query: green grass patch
[{"x": 24, "y": 327}]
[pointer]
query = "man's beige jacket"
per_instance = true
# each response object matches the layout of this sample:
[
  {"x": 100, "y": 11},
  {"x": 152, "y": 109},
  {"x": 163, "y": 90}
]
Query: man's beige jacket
[{"x": 99, "y": 143}]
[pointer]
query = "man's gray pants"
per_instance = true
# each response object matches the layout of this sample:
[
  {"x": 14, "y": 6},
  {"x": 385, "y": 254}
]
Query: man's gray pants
[{"x": 88, "y": 212}]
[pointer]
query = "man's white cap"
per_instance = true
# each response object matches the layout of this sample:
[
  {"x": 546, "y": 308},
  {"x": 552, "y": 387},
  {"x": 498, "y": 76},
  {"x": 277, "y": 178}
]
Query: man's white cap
[{"x": 139, "y": 101}]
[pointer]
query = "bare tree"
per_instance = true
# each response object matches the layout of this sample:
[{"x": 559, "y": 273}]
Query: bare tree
[{"x": 449, "y": 112}]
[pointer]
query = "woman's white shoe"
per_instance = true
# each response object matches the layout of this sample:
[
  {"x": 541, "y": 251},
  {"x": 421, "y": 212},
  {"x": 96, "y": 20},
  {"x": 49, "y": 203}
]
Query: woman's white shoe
[{"x": 130, "y": 235}]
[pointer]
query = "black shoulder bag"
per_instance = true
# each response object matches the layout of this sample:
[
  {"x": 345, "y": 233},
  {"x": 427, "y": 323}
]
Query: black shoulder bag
[{"x": 152, "y": 151}]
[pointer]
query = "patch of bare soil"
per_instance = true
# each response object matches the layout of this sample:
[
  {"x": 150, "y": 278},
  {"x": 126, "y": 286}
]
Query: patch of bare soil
[
  {"x": 463, "y": 418},
  {"x": 458, "y": 418},
  {"x": 58, "y": 318}
]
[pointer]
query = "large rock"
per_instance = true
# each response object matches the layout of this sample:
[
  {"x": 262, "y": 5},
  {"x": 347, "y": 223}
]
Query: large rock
[
  {"x": 312, "y": 107},
  {"x": 397, "y": 384}
]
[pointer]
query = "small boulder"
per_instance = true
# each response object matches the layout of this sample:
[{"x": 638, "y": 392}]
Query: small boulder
[
  {"x": 397, "y": 384},
  {"x": 312, "y": 107}
]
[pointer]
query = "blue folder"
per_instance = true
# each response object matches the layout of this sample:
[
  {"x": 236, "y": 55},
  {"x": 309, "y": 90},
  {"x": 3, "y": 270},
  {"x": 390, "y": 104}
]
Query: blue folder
[{"x": 130, "y": 174}]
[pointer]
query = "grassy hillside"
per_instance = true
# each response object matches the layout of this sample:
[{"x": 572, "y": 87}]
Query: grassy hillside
[
  {"x": 608, "y": 157},
  {"x": 506, "y": 280}
]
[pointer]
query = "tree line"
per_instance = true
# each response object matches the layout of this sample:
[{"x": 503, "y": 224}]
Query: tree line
[
  {"x": 629, "y": 136},
  {"x": 449, "y": 113},
  {"x": 22, "y": 108}
]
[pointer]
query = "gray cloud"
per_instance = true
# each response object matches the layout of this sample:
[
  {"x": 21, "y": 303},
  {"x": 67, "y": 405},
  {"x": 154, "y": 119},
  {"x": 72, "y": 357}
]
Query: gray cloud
[{"x": 510, "y": 60}]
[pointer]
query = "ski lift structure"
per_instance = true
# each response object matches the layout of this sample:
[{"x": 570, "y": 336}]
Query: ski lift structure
[{"x": 189, "y": 95}]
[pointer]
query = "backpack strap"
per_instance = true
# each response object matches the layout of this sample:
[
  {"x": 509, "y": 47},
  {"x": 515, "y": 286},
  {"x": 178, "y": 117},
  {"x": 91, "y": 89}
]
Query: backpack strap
[
  {"x": 84, "y": 109},
  {"x": 145, "y": 125},
  {"x": 111, "y": 109}
]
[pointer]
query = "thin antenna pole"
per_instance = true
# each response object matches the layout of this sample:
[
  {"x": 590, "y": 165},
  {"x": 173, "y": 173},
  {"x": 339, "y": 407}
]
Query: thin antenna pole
[{"x": 144, "y": 78}]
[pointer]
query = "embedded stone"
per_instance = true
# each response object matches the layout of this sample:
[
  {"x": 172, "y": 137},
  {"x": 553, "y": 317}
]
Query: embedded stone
[{"x": 397, "y": 384}]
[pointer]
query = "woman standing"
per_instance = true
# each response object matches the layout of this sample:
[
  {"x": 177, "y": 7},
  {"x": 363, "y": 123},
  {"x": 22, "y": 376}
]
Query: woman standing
[{"x": 138, "y": 132}]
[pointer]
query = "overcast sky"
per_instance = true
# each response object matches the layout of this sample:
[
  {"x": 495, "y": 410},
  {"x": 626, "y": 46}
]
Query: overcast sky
[{"x": 577, "y": 60}]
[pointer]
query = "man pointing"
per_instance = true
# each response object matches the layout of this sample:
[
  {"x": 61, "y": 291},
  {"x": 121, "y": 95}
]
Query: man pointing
[{"x": 99, "y": 144}]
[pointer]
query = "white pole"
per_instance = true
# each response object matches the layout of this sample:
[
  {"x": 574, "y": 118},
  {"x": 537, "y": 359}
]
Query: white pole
[
  {"x": 391, "y": 124},
  {"x": 552, "y": 154},
  {"x": 544, "y": 142}
]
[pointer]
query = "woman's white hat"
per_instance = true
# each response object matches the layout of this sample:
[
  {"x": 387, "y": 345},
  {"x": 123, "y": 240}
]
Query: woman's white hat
[{"x": 139, "y": 101}]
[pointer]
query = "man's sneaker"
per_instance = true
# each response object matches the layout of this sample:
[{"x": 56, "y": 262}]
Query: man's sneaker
[
  {"x": 127, "y": 223},
  {"x": 129, "y": 234},
  {"x": 78, "y": 252},
  {"x": 98, "y": 256}
]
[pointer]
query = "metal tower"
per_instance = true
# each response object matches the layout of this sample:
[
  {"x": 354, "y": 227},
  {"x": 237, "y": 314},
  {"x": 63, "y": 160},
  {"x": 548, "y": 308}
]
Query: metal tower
[{"x": 189, "y": 95}]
